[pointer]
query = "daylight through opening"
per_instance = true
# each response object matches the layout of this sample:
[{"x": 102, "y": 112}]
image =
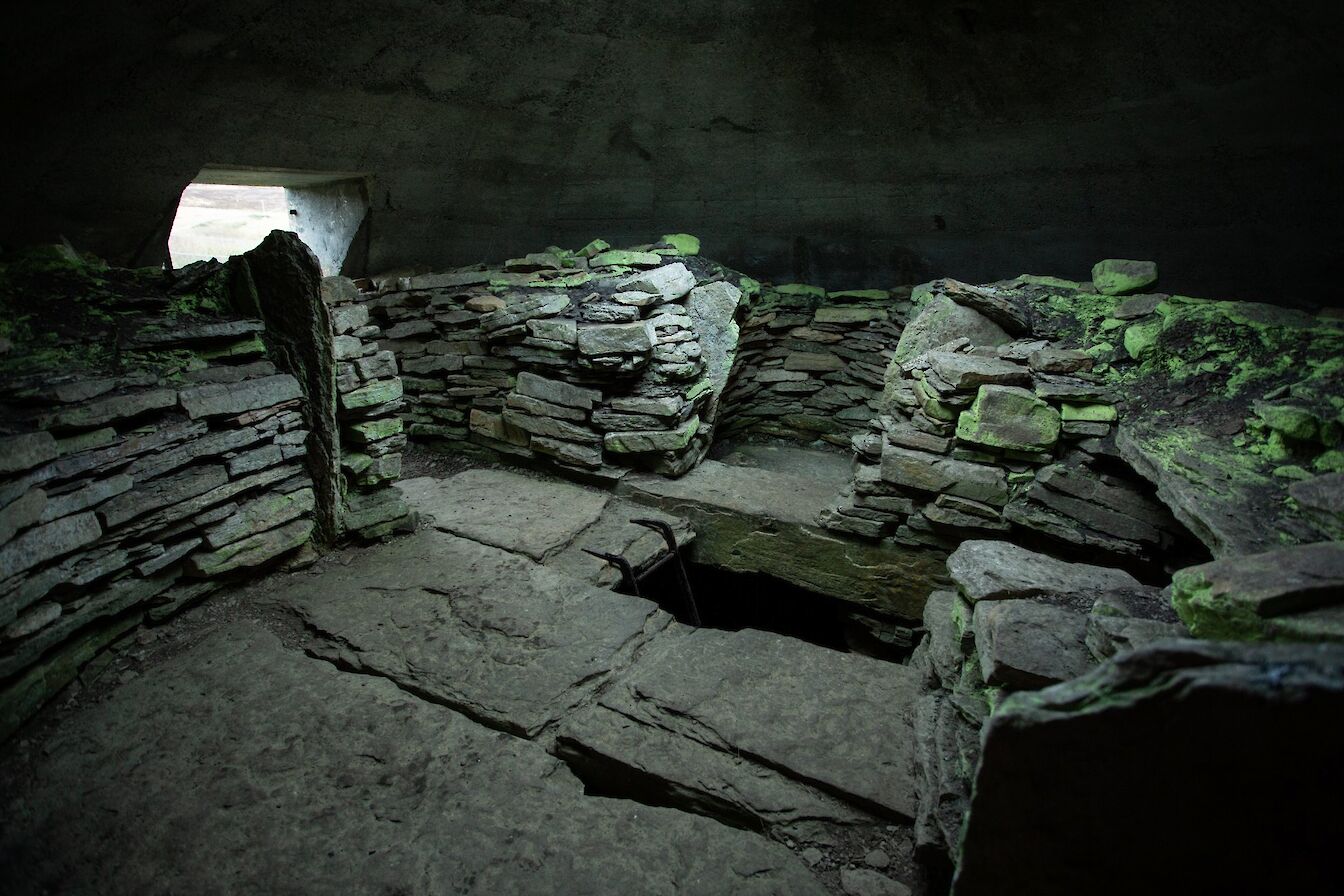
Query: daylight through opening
[{"x": 228, "y": 211}]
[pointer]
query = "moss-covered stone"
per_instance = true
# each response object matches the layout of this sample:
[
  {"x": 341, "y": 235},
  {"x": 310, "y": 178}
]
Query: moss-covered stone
[
  {"x": 1121, "y": 276},
  {"x": 1285, "y": 594},
  {"x": 1011, "y": 418},
  {"x": 683, "y": 243},
  {"x": 1292, "y": 421},
  {"x": 800, "y": 289},
  {"x": 1093, "y": 413},
  {"x": 1140, "y": 338}
]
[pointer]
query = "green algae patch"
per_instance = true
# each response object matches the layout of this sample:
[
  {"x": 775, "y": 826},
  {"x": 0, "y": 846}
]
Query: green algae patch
[
  {"x": 683, "y": 243},
  {"x": 1092, "y": 413},
  {"x": 596, "y": 247},
  {"x": 1211, "y": 615},
  {"x": 1122, "y": 276},
  {"x": 1292, "y": 421},
  {"x": 800, "y": 289},
  {"x": 1140, "y": 338},
  {"x": 1010, "y": 419}
]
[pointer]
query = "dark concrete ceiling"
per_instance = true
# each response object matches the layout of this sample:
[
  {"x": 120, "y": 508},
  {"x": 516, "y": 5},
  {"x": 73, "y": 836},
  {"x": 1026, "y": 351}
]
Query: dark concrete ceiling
[{"x": 855, "y": 143}]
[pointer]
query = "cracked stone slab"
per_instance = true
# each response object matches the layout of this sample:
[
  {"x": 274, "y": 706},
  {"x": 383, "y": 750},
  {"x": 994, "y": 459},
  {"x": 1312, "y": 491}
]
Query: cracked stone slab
[
  {"x": 611, "y": 746},
  {"x": 721, "y": 711},
  {"x": 491, "y": 634},
  {"x": 241, "y": 766},
  {"x": 508, "y": 510}
]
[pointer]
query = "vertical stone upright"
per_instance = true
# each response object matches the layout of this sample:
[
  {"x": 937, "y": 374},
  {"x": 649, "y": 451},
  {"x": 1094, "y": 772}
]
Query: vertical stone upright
[{"x": 284, "y": 280}]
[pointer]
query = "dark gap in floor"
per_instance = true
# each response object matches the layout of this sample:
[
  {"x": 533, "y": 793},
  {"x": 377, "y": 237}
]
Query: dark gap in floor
[
  {"x": 733, "y": 601},
  {"x": 609, "y": 778}
]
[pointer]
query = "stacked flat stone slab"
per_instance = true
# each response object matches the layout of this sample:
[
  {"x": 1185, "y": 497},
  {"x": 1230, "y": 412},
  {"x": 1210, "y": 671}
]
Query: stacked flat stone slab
[
  {"x": 1015, "y": 620},
  {"x": 590, "y": 362},
  {"x": 131, "y": 487},
  {"x": 980, "y": 439},
  {"x": 368, "y": 412},
  {"x": 810, "y": 364}
]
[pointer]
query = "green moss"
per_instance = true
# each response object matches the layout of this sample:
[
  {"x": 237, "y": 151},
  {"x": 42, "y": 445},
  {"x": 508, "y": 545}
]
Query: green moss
[
  {"x": 1095, "y": 413},
  {"x": 800, "y": 289},
  {"x": 1140, "y": 338},
  {"x": 683, "y": 243},
  {"x": 595, "y": 247},
  {"x": 1329, "y": 462},
  {"x": 1292, "y": 421},
  {"x": 1056, "y": 282}
]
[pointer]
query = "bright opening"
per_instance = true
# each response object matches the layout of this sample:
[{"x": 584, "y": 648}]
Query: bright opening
[
  {"x": 219, "y": 220},
  {"x": 228, "y": 211}
]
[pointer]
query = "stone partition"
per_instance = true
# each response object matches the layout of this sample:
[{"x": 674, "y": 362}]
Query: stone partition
[
  {"x": 155, "y": 444},
  {"x": 589, "y": 362},
  {"x": 601, "y": 360},
  {"x": 810, "y": 364}
]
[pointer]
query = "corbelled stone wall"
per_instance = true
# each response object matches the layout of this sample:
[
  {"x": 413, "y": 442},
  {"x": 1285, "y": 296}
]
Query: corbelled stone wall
[{"x": 154, "y": 446}]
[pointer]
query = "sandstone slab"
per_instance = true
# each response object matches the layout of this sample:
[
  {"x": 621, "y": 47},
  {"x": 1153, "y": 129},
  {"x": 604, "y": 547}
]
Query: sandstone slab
[
  {"x": 274, "y": 772},
  {"x": 492, "y": 634},
  {"x": 518, "y": 513}
]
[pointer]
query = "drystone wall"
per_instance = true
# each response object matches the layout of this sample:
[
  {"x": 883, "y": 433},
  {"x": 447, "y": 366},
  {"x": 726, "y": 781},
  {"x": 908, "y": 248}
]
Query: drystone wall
[
  {"x": 810, "y": 364},
  {"x": 988, "y": 429},
  {"x": 1016, "y": 621},
  {"x": 368, "y": 415},
  {"x": 156, "y": 443},
  {"x": 600, "y": 360},
  {"x": 592, "y": 361}
]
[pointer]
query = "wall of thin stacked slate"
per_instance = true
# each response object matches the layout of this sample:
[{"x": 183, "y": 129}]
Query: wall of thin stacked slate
[
  {"x": 599, "y": 360},
  {"x": 591, "y": 362},
  {"x": 155, "y": 445},
  {"x": 810, "y": 364}
]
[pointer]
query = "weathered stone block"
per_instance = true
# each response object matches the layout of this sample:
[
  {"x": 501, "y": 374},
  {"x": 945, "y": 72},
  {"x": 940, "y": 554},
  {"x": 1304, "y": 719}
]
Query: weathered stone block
[
  {"x": 556, "y": 392},
  {"x": 1009, "y": 418},
  {"x": 47, "y": 542},
  {"x": 934, "y": 473},
  {"x": 1120, "y": 276},
  {"x": 636, "y": 338},
  {"x": 217, "y": 399},
  {"x": 651, "y": 440}
]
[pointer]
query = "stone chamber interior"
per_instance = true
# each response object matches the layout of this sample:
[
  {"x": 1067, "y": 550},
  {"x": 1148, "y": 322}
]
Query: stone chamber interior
[{"x": 639, "y": 463}]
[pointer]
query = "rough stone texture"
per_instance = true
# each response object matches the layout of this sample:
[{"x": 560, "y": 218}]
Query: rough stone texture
[
  {"x": 535, "y": 517},
  {"x": 1243, "y": 597},
  {"x": 695, "y": 154},
  {"x": 943, "y": 320},
  {"x": 732, "y": 692},
  {"x": 445, "y": 803},
  {"x": 1231, "y": 800},
  {"x": 218, "y": 399},
  {"x": 999, "y": 570},
  {"x": 712, "y": 308},
  {"x": 1118, "y": 276},
  {"x": 1026, "y": 644},
  {"x": 1011, "y": 418},
  {"x": 514, "y": 645}
]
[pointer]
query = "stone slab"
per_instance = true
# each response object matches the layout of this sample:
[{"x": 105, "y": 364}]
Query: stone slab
[
  {"x": 508, "y": 510},
  {"x": 242, "y": 766},
  {"x": 838, "y": 722},
  {"x": 495, "y": 636}
]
